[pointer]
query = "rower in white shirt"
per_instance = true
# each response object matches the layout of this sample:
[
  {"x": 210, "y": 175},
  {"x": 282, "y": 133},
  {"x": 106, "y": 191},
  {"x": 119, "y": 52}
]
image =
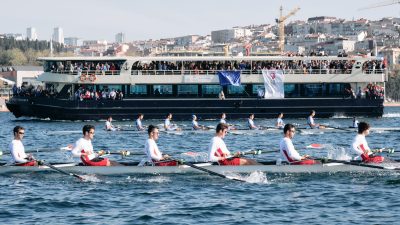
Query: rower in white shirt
[
  {"x": 195, "y": 124},
  {"x": 311, "y": 123},
  {"x": 279, "y": 122},
  {"x": 83, "y": 148},
  {"x": 355, "y": 123},
  {"x": 109, "y": 126},
  {"x": 154, "y": 155},
  {"x": 168, "y": 126},
  {"x": 287, "y": 150},
  {"x": 223, "y": 120},
  {"x": 218, "y": 152},
  {"x": 361, "y": 148},
  {"x": 139, "y": 125},
  {"x": 250, "y": 123},
  {"x": 17, "y": 149}
]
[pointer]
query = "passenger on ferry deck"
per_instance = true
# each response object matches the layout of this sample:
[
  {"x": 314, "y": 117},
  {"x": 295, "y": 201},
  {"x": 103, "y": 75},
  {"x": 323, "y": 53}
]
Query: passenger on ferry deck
[
  {"x": 109, "y": 126},
  {"x": 154, "y": 156},
  {"x": 221, "y": 95},
  {"x": 218, "y": 152},
  {"x": 195, "y": 124},
  {"x": 139, "y": 125},
  {"x": 279, "y": 122},
  {"x": 167, "y": 124},
  {"x": 17, "y": 149},
  {"x": 288, "y": 152},
  {"x": 360, "y": 145},
  {"x": 250, "y": 122},
  {"x": 311, "y": 123},
  {"x": 83, "y": 148}
]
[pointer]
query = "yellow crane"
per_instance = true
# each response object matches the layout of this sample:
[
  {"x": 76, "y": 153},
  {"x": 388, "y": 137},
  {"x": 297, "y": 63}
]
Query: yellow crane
[
  {"x": 381, "y": 4},
  {"x": 281, "y": 26}
]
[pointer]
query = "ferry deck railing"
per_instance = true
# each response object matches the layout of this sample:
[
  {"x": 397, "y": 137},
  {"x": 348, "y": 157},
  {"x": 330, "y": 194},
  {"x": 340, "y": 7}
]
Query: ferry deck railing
[{"x": 87, "y": 72}]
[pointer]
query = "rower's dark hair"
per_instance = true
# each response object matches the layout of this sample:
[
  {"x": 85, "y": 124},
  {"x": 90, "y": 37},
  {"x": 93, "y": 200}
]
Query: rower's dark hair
[
  {"x": 109, "y": 117},
  {"x": 251, "y": 114},
  {"x": 17, "y": 129},
  {"x": 151, "y": 128},
  {"x": 169, "y": 114},
  {"x": 221, "y": 126},
  {"x": 363, "y": 126},
  {"x": 281, "y": 113},
  {"x": 140, "y": 114},
  {"x": 287, "y": 127},
  {"x": 223, "y": 114},
  {"x": 87, "y": 128},
  {"x": 311, "y": 112}
]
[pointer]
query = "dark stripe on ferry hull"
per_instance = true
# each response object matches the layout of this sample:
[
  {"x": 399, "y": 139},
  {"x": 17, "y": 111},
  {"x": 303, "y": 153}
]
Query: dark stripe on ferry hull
[{"x": 183, "y": 108}]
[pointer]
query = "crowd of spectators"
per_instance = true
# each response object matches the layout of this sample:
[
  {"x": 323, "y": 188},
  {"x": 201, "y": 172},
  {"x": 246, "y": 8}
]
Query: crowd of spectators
[
  {"x": 374, "y": 91},
  {"x": 78, "y": 68},
  {"x": 103, "y": 94},
  {"x": 256, "y": 67},
  {"x": 32, "y": 91}
]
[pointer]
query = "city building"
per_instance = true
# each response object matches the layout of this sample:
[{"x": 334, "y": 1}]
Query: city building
[
  {"x": 72, "y": 41},
  {"x": 227, "y": 35},
  {"x": 120, "y": 38},
  {"x": 31, "y": 34},
  {"x": 58, "y": 35},
  {"x": 186, "y": 40}
]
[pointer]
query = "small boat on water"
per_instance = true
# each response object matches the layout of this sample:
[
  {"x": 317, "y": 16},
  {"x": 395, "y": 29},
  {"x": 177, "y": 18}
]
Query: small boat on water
[{"x": 266, "y": 167}]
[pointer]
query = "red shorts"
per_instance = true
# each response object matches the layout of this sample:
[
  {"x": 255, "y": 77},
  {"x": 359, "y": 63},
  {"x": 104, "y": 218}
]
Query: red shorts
[
  {"x": 166, "y": 163},
  {"x": 30, "y": 163},
  {"x": 95, "y": 161},
  {"x": 373, "y": 159},
  {"x": 230, "y": 162},
  {"x": 305, "y": 162}
]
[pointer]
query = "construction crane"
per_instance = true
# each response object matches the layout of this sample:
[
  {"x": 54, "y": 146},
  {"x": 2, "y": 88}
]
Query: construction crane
[
  {"x": 381, "y": 4},
  {"x": 281, "y": 26}
]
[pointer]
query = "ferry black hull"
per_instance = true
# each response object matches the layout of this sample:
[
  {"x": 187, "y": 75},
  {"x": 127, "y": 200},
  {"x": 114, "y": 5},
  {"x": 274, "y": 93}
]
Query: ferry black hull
[{"x": 57, "y": 109}]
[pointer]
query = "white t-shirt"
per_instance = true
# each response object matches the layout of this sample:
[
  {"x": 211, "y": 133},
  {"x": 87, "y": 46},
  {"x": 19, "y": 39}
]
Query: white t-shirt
[
  {"x": 17, "y": 151},
  {"x": 86, "y": 145},
  {"x": 222, "y": 121},
  {"x": 250, "y": 123},
  {"x": 109, "y": 126},
  {"x": 139, "y": 124},
  {"x": 311, "y": 123},
  {"x": 152, "y": 151},
  {"x": 355, "y": 123},
  {"x": 360, "y": 145},
  {"x": 280, "y": 123},
  {"x": 217, "y": 148},
  {"x": 288, "y": 152},
  {"x": 195, "y": 124}
]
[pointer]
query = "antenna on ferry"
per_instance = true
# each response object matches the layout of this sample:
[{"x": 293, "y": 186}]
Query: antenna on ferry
[{"x": 51, "y": 47}]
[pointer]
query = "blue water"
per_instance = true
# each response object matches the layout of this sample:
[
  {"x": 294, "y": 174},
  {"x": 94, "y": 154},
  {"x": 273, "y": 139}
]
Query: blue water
[{"x": 340, "y": 198}]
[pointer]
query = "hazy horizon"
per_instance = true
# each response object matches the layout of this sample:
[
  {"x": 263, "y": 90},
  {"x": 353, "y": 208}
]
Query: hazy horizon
[{"x": 155, "y": 19}]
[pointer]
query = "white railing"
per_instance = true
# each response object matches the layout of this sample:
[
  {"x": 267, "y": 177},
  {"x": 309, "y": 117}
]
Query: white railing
[{"x": 87, "y": 72}]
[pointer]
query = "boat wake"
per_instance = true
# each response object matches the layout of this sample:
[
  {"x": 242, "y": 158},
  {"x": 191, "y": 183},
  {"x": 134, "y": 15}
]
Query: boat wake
[
  {"x": 92, "y": 178},
  {"x": 391, "y": 115},
  {"x": 256, "y": 177},
  {"x": 158, "y": 179}
]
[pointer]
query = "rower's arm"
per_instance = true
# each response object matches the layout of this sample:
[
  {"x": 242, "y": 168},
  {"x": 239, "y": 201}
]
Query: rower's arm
[{"x": 18, "y": 154}]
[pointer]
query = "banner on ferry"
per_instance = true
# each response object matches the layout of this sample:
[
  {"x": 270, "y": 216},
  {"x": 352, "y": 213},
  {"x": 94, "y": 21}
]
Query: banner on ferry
[
  {"x": 229, "y": 78},
  {"x": 274, "y": 84}
]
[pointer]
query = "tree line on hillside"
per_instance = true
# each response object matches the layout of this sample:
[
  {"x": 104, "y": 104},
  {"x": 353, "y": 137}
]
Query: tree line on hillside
[
  {"x": 393, "y": 87},
  {"x": 25, "y": 52}
]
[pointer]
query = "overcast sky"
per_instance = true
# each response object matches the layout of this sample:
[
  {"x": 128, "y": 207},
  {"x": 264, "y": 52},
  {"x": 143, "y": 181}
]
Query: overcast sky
[{"x": 155, "y": 19}]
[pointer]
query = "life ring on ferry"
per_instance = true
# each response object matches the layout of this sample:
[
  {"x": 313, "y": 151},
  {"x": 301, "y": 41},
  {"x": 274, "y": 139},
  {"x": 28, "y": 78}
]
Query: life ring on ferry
[
  {"x": 92, "y": 78},
  {"x": 82, "y": 78}
]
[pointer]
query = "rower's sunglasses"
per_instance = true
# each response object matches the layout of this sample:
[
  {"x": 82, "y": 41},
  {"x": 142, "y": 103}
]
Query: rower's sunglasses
[
  {"x": 21, "y": 132},
  {"x": 91, "y": 132}
]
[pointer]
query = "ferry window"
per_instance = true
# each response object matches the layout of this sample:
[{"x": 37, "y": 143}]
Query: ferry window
[
  {"x": 256, "y": 87},
  {"x": 236, "y": 90},
  {"x": 290, "y": 90},
  {"x": 139, "y": 89},
  {"x": 313, "y": 90},
  {"x": 210, "y": 89},
  {"x": 111, "y": 87},
  {"x": 335, "y": 89},
  {"x": 187, "y": 90},
  {"x": 162, "y": 89}
]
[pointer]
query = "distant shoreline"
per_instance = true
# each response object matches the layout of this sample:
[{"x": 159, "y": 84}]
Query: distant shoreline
[{"x": 391, "y": 104}]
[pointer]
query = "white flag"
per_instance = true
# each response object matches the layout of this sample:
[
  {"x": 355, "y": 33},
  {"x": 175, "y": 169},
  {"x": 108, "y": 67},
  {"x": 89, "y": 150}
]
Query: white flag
[{"x": 274, "y": 84}]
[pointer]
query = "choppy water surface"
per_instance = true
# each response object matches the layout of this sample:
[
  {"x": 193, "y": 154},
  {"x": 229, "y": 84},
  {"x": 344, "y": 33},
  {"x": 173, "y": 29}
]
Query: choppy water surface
[{"x": 51, "y": 198}]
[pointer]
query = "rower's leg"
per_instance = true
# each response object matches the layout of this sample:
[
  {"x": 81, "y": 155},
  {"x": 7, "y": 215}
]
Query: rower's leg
[{"x": 248, "y": 162}]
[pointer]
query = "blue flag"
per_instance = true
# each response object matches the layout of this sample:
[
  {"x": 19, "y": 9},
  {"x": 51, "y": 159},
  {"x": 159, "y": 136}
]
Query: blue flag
[{"x": 229, "y": 78}]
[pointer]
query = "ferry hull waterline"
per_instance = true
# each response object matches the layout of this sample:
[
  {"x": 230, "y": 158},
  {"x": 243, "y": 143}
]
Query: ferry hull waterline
[
  {"x": 56, "y": 109},
  {"x": 92, "y": 88}
]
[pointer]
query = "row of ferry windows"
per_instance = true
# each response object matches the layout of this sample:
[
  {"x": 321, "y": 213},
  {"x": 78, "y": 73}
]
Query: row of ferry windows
[{"x": 291, "y": 90}]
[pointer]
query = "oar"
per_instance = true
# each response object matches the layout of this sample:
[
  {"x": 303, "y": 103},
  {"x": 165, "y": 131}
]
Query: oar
[
  {"x": 211, "y": 172},
  {"x": 324, "y": 160},
  {"x": 62, "y": 171},
  {"x": 256, "y": 152},
  {"x": 337, "y": 128},
  {"x": 387, "y": 150}
]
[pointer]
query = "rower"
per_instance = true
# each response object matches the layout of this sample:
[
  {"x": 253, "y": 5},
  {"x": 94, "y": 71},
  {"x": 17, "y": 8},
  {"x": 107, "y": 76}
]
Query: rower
[
  {"x": 250, "y": 122},
  {"x": 154, "y": 156},
  {"x": 288, "y": 152},
  {"x": 311, "y": 123},
  {"x": 218, "y": 151},
  {"x": 355, "y": 123},
  {"x": 139, "y": 125},
  {"x": 167, "y": 124},
  {"x": 279, "y": 122},
  {"x": 83, "y": 148},
  {"x": 195, "y": 124},
  {"x": 360, "y": 145},
  {"x": 223, "y": 120},
  {"x": 109, "y": 126},
  {"x": 17, "y": 149}
]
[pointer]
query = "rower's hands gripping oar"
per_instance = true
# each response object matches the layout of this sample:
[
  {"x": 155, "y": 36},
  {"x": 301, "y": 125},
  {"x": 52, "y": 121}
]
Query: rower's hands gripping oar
[{"x": 41, "y": 162}]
